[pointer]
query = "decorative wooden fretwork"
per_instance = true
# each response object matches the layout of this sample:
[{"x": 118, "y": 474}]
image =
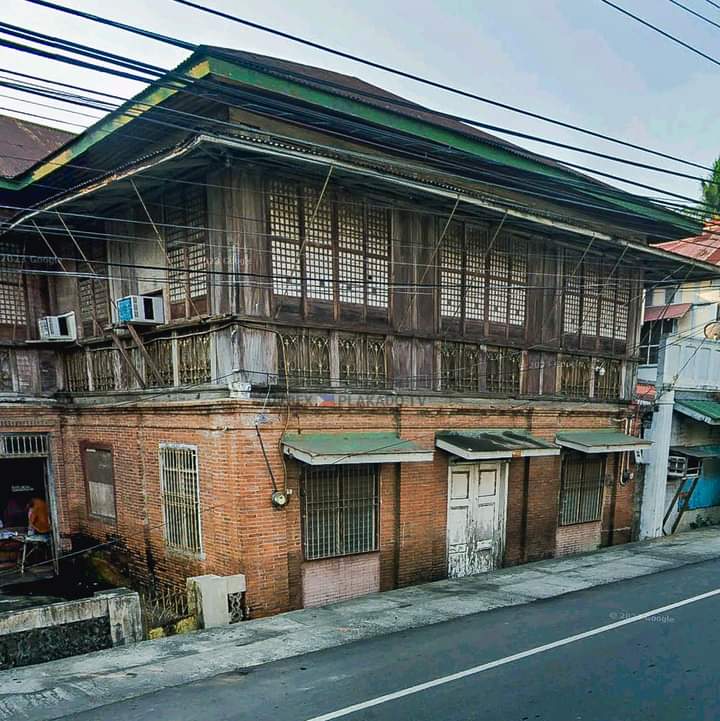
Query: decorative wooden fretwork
[
  {"x": 102, "y": 364},
  {"x": 362, "y": 361},
  {"x": 575, "y": 376},
  {"x": 194, "y": 359},
  {"x": 160, "y": 352},
  {"x": 304, "y": 358},
  {"x": 6, "y": 381},
  {"x": 503, "y": 368},
  {"x": 76, "y": 372}
]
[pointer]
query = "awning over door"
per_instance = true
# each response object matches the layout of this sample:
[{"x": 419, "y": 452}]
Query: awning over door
[
  {"x": 705, "y": 411},
  {"x": 320, "y": 449},
  {"x": 601, "y": 441},
  {"x": 477, "y": 444}
]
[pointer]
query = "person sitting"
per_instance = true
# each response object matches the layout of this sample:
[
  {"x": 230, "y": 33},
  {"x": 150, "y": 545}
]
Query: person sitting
[{"x": 38, "y": 517}]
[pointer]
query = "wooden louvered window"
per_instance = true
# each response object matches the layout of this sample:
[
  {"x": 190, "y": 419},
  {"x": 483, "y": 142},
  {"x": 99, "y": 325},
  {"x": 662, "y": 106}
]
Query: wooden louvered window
[
  {"x": 596, "y": 299},
  {"x": 186, "y": 240},
  {"x": 13, "y": 308},
  {"x": 345, "y": 246},
  {"x": 481, "y": 283},
  {"x": 93, "y": 291}
]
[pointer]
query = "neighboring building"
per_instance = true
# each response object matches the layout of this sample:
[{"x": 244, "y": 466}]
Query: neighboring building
[
  {"x": 679, "y": 390},
  {"x": 421, "y": 337}
]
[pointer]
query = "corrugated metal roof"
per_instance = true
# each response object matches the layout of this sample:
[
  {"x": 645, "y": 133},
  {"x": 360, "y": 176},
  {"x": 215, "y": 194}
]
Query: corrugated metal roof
[
  {"x": 666, "y": 312},
  {"x": 23, "y": 143},
  {"x": 705, "y": 247},
  {"x": 600, "y": 441},
  {"x": 708, "y": 411},
  {"x": 355, "y": 447},
  {"x": 493, "y": 443},
  {"x": 709, "y": 451}
]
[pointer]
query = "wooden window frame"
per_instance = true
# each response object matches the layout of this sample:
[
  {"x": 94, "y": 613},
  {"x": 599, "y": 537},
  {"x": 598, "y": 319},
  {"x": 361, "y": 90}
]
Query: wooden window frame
[
  {"x": 85, "y": 446},
  {"x": 325, "y": 247}
]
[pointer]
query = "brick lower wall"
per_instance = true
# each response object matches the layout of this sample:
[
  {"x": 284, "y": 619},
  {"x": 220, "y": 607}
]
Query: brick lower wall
[
  {"x": 336, "y": 579},
  {"x": 242, "y": 531},
  {"x": 578, "y": 538}
]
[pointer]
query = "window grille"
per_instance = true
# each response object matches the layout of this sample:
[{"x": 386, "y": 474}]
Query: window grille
[
  {"x": 180, "y": 488},
  {"x": 12, "y": 294},
  {"x": 460, "y": 366},
  {"x": 160, "y": 352},
  {"x": 186, "y": 244},
  {"x": 346, "y": 246},
  {"x": 451, "y": 271},
  {"x": 339, "y": 510},
  {"x": 622, "y": 309},
  {"x": 503, "y": 370},
  {"x": 581, "y": 491},
  {"x": 351, "y": 230},
  {"x": 319, "y": 244},
  {"x": 575, "y": 376},
  {"x": 194, "y": 359},
  {"x": 32, "y": 445},
  {"x": 284, "y": 214},
  {"x": 480, "y": 283},
  {"x": 6, "y": 381},
  {"x": 608, "y": 379},
  {"x": 76, "y": 372},
  {"x": 304, "y": 358},
  {"x": 102, "y": 363},
  {"x": 363, "y": 362},
  {"x": 594, "y": 302},
  {"x": 100, "y": 482}
]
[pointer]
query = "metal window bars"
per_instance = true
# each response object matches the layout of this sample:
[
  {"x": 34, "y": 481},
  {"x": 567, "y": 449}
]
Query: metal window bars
[
  {"x": 608, "y": 379},
  {"x": 581, "y": 493},
  {"x": 28, "y": 445},
  {"x": 180, "y": 488},
  {"x": 340, "y": 510}
]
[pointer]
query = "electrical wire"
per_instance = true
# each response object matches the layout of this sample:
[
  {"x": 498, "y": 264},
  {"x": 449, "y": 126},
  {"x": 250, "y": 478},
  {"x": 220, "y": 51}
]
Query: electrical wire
[{"x": 539, "y": 139}]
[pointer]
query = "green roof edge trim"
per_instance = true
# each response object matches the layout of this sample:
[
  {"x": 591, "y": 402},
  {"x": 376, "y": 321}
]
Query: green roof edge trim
[{"x": 202, "y": 63}]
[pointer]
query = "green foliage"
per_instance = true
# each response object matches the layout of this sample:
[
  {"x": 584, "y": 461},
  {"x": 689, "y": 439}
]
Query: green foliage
[{"x": 711, "y": 191}]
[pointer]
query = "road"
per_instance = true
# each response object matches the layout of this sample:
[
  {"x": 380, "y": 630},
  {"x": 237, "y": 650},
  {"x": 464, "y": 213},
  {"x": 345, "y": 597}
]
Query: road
[{"x": 584, "y": 656}]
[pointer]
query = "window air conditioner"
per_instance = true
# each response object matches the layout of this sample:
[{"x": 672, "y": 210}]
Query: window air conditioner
[
  {"x": 140, "y": 309},
  {"x": 677, "y": 466},
  {"x": 58, "y": 327}
]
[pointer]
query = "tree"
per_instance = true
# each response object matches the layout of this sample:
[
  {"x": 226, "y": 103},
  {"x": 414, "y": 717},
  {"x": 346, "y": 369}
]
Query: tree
[{"x": 711, "y": 192}]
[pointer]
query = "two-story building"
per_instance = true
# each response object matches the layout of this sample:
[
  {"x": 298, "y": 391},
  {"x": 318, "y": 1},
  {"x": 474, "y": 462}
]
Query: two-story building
[{"x": 273, "y": 320}]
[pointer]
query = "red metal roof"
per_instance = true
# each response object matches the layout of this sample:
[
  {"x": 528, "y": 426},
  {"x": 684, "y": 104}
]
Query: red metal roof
[
  {"x": 666, "y": 312},
  {"x": 23, "y": 143},
  {"x": 705, "y": 247}
]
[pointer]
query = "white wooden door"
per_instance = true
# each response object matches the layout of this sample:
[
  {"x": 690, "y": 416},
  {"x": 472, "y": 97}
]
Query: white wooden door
[{"x": 476, "y": 512}]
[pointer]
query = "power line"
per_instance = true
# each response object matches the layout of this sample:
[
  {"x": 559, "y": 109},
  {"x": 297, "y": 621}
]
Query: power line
[
  {"x": 655, "y": 28},
  {"x": 497, "y": 129},
  {"x": 695, "y": 13},
  {"x": 466, "y": 120},
  {"x": 416, "y": 78}
]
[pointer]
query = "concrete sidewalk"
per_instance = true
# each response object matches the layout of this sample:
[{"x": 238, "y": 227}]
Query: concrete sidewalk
[{"x": 82, "y": 683}]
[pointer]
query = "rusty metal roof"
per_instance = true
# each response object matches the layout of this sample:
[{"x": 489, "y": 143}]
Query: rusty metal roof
[{"x": 23, "y": 143}]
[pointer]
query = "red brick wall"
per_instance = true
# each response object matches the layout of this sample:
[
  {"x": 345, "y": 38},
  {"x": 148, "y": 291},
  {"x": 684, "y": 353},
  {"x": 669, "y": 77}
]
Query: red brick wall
[
  {"x": 336, "y": 579},
  {"x": 578, "y": 538},
  {"x": 243, "y": 533}
]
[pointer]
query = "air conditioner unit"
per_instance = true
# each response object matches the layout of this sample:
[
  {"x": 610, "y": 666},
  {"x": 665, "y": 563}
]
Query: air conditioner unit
[
  {"x": 677, "y": 466},
  {"x": 58, "y": 327},
  {"x": 146, "y": 309}
]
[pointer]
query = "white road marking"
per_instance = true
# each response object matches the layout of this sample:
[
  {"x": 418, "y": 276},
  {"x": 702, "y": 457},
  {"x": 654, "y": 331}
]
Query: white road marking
[{"x": 339, "y": 713}]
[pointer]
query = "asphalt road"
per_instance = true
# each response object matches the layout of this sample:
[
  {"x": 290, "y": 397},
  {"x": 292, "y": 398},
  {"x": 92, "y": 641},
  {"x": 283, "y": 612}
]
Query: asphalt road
[{"x": 524, "y": 663}]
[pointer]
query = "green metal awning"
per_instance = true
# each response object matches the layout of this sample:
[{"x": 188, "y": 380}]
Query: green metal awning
[
  {"x": 705, "y": 411},
  {"x": 478, "y": 444},
  {"x": 321, "y": 449},
  {"x": 601, "y": 441},
  {"x": 708, "y": 451}
]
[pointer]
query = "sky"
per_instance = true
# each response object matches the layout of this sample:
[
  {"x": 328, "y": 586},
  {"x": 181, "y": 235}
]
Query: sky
[{"x": 579, "y": 61}]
